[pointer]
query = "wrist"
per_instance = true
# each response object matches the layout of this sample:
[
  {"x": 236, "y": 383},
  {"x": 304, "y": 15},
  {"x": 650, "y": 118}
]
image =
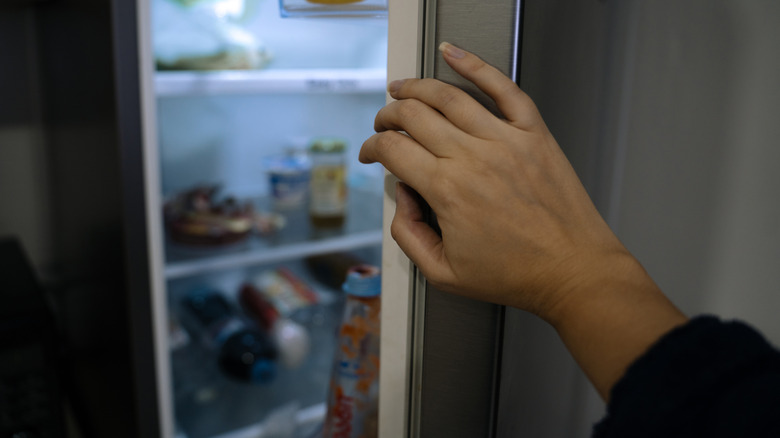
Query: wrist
[
  {"x": 591, "y": 280},
  {"x": 610, "y": 316}
]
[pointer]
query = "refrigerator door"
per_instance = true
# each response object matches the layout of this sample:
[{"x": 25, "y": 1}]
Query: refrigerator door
[{"x": 445, "y": 349}]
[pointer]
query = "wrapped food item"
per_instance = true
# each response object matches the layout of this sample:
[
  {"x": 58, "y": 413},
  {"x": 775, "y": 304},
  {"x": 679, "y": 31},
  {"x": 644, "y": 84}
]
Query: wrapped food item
[
  {"x": 291, "y": 339},
  {"x": 205, "y": 35},
  {"x": 285, "y": 291}
]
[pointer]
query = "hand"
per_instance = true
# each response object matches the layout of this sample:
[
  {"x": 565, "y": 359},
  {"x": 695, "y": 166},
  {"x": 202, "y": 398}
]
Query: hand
[{"x": 517, "y": 227}]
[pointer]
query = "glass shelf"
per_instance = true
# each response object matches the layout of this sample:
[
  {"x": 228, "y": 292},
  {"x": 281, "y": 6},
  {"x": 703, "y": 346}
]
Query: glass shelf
[
  {"x": 188, "y": 83},
  {"x": 298, "y": 239}
]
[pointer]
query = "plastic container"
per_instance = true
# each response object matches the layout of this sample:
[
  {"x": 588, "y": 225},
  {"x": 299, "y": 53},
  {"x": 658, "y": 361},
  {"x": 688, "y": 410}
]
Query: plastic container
[
  {"x": 245, "y": 352},
  {"x": 352, "y": 405},
  {"x": 328, "y": 185},
  {"x": 333, "y": 8},
  {"x": 288, "y": 175}
]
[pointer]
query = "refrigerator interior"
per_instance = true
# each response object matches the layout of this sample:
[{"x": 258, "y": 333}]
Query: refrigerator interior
[{"x": 318, "y": 77}]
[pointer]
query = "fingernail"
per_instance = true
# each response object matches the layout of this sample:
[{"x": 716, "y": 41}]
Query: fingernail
[
  {"x": 451, "y": 51},
  {"x": 395, "y": 85}
]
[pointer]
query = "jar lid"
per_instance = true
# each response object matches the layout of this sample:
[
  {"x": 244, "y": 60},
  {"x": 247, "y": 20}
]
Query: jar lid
[
  {"x": 328, "y": 145},
  {"x": 289, "y": 163},
  {"x": 363, "y": 281}
]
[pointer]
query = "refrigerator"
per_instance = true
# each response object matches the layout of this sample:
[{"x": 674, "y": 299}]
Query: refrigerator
[
  {"x": 604, "y": 77},
  {"x": 444, "y": 358}
]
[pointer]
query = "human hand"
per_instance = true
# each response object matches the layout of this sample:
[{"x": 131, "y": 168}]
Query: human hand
[{"x": 517, "y": 227}]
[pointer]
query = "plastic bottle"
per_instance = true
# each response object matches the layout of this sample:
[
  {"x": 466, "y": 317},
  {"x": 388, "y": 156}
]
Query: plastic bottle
[
  {"x": 328, "y": 184},
  {"x": 354, "y": 387},
  {"x": 245, "y": 352}
]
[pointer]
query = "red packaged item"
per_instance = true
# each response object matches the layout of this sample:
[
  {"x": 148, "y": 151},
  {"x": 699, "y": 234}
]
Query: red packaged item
[{"x": 291, "y": 339}]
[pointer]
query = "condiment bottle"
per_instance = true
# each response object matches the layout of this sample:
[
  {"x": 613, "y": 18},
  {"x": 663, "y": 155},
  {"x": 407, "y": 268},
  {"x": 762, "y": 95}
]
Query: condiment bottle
[
  {"x": 328, "y": 184},
  {"x": 352, "y": 408}
]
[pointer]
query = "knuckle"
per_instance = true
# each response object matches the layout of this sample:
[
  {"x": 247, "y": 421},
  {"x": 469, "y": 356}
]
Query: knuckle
[
  {"x": 383, "y": 142},
  {"x": 409, "y": 109},
  {"x": 448, "y": 97},
  {"x": 477, "y": 66}
]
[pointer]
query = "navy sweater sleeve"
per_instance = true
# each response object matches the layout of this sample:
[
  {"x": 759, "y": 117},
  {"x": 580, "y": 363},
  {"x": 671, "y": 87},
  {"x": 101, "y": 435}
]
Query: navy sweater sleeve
[{"x": 708, "y": 378}]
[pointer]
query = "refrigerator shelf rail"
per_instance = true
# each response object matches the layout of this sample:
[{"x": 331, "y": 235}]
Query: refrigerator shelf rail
[
  {"x": 194, "y": 83},
  {"x": 242, "y": 259}
]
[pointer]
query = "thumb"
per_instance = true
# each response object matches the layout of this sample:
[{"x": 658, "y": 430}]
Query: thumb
[{"x": 413, "y": 234}]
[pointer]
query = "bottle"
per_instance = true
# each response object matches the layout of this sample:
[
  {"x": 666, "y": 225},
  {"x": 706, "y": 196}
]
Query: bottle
[
  {"x": 352, "y": 405},
  {"x": 328, "y": 185},
  {"x": 245, "y": 352}
]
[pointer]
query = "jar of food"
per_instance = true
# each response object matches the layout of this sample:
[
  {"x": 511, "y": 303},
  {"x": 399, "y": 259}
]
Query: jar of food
[{"x": 328, "y": 184}]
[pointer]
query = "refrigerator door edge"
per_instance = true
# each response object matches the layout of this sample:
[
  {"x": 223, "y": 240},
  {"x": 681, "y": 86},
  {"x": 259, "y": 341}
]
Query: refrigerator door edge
[
  {"x": 405, "y": 19},
  {"x": 154, "y": 235}
]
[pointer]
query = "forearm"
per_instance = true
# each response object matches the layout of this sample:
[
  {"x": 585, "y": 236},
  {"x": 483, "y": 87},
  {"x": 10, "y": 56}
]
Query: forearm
[{"x": 611, "y": 317}]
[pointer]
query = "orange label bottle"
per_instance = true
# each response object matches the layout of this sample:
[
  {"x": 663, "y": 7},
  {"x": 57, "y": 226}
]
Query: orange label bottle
[{"x": 352, "y": 409}]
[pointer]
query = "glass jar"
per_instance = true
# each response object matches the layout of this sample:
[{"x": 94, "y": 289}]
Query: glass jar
[{"x": 328, "y": 184}]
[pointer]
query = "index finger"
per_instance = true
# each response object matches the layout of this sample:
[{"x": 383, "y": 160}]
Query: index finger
[{"x": 513, "y": 103}]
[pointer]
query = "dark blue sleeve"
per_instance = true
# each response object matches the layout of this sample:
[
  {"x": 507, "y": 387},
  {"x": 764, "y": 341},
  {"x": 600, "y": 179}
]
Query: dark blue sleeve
[{"x": 708, "y": 378}]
